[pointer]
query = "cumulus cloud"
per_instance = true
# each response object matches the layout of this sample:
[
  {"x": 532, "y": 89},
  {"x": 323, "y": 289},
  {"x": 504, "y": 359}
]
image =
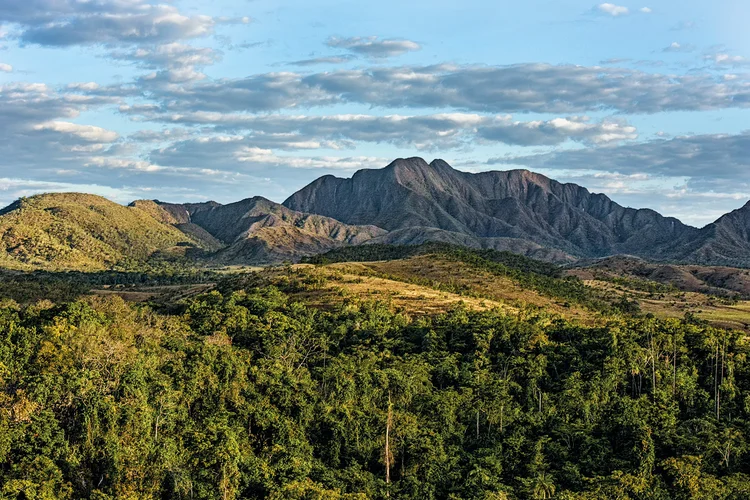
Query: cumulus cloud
[
  {"x": 263, "y": 92},
  {"x": 172, "y": 55},
  {"x": 73, "y": 22},
  {"x": 372, "y": 46},
  {"x": 88, "y": 133},
  {"x": 336, "y": 131},
  {"x": 269, "y": 158},
  {"x": 422, "y": 132},
  {"x": 23, "y": 105},
  {"x": 238, "y": 153},
  {"x": 35, "y": 123},
  {"x": 723, "y": 59},
  {"x": 172, "y": 62},
  {"x": 153, "y": 136},
  {"x": 557, "y": 131},
  {"x": 612, "y": 9},
  {"x": 5, "y": 68},
  {"x": 529, "y": 88},
  {"x": 122, "y": 163},
  {"x": 646, "y": 10}
]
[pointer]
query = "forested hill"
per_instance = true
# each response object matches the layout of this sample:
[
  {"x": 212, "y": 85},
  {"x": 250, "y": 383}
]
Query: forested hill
[
  {"x": 375, "y": 252},
  {"x": 244, "y": 393}
]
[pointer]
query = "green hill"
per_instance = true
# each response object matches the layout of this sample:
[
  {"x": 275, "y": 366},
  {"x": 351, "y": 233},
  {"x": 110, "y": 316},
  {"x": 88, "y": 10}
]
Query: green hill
[{"x": 81, "y": 231}]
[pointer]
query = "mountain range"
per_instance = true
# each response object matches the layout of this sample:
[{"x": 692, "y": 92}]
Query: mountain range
[
  {"x": 408, "y": 202},
  {"x": 516, "y": 210}
]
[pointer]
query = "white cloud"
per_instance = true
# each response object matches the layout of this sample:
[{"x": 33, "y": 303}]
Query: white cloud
[
  {"x": 724, "y": 59},
  {"x": 5, "y": 68},
  {"x": 122, "y": 163},
  {"x": 557, "y": 131},
  {"x": 422, "y": 132},
  {"x": 268, "y": 158},
  {"x": 372, "y": 46},
  {"x": 709, "y": 159},
  {"x": 678, "y": 47},
  {"x": 519, "y": 88},
  {"x": 83, "y": 86},
  {"x": 172, "y": 62},
  {"x": 646, "y": 10},
  {"x": 88, "y": 133},
  {"x": 68, "y": 22},
  {"x": 612, "y": 9}
]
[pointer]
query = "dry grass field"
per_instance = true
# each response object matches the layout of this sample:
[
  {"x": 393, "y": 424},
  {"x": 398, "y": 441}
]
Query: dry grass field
[
  {"x": 718, "y": 311},
  {"x": 165, "y": 293},
  {"x": 431, "y": 284}
]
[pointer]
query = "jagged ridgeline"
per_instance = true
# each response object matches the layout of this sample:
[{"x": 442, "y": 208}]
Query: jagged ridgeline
[
  {"x": 409, "y": 202},
  {"x": 516, "y": 210},
  {"x": 72, "y": 231}
]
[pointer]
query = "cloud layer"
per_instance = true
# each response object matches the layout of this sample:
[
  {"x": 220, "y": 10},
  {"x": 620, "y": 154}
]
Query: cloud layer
[
  {"x": 75, "y": 22},
  {"x": 521, "y": 88}
]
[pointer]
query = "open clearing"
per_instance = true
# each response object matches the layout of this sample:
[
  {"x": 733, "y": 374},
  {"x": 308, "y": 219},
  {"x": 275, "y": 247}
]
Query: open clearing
[{"x": 431, "y": 284}]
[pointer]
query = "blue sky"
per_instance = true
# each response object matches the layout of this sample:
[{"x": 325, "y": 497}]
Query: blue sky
[{"x": 186, "y": 100}]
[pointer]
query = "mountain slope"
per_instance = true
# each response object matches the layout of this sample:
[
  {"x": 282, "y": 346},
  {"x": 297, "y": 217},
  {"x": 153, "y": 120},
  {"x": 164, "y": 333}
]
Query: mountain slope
[
  {"x": 178, "y": 216},
  {"x": 492, "y": 209},
  {"x": 257, "y": 230},
  {"x": 81, "y": 231},
  {"x": 724, "y": 242}
]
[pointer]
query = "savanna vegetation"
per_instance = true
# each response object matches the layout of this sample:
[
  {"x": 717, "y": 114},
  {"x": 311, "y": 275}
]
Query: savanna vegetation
[
  {"x": 71, "y": 231},
  {"x": 243, "y": 392}
]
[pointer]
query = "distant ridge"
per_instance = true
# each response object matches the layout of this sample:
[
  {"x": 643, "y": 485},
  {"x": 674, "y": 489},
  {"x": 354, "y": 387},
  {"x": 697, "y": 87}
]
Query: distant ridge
[
  {"x": 257, "y": 230},
  {"x": 409, "y": 202},
  {"x": 515, "y": 210}
]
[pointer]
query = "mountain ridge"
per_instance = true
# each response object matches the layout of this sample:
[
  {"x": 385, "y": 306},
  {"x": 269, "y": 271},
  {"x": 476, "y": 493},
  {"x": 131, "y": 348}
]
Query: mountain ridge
[
  {"x": 516, "y": 204},
  {"x": 408, "y": 202},
  {"x": 261, "y": 231}
]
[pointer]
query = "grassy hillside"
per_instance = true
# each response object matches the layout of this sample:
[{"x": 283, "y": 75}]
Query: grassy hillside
[
  {"x": 542, "y": 277},
  {"x": 83, "y": 232}
]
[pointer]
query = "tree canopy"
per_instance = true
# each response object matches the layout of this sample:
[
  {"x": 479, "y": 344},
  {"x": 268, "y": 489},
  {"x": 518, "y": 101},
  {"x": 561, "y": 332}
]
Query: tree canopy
[{"x": 243, "y": 393}]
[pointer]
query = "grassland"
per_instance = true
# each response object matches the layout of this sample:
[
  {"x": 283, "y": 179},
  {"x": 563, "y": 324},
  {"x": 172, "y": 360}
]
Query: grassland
[
  {"x": 673, "y": 303},
  {"x": 71, "y": 231}
]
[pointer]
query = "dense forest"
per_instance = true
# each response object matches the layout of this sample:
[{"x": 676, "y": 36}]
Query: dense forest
[{"x": 243, "y": 393}]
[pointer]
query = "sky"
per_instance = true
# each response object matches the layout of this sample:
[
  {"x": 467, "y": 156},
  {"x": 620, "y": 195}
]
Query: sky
[{"x": 189, "y": 100}]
